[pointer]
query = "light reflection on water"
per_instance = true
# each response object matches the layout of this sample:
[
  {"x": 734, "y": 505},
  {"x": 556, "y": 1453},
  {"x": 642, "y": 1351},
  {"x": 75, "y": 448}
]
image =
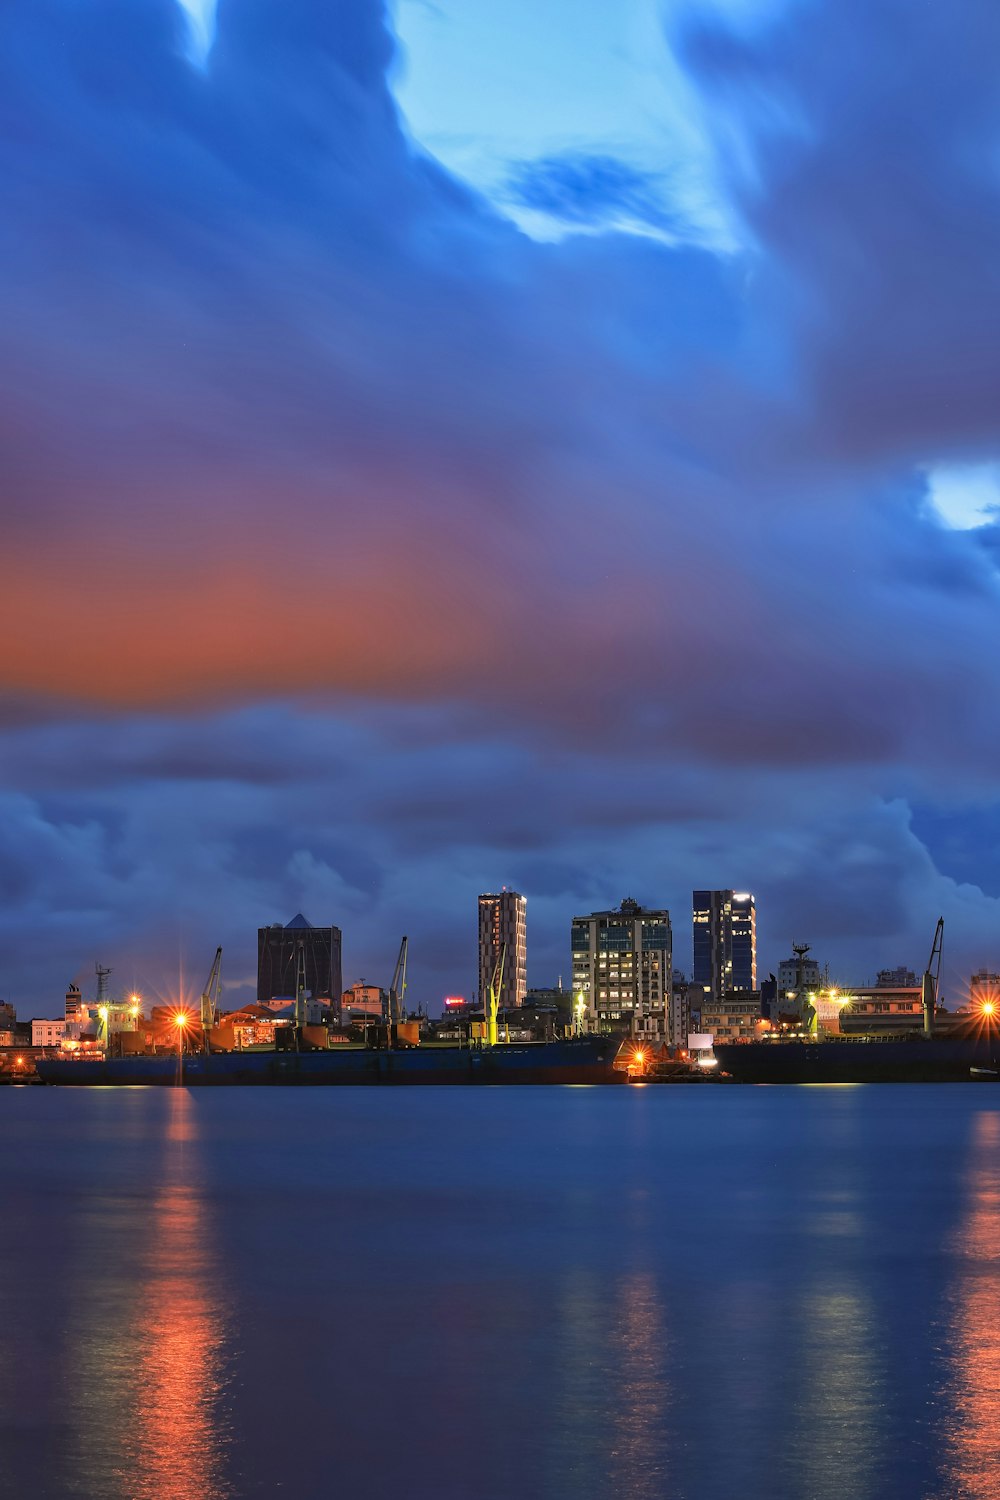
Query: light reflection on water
[
  {"x": 639, "y": 1465},
  {"x": 146, "y": 1377},
  {"x": 973, "y": 1457},
  {"x": 478, "y": 1295},
  {"x": 177, "y": 1444}
]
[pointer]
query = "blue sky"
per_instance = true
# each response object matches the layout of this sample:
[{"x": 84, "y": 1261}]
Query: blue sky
[
  {"x": 466, "y": 445},
  {"x": 490, "y": 89}
]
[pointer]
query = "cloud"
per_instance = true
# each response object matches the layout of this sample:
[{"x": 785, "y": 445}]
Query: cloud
[
  {"x": 146, "y": 843},
  {"x": 594, "y": 190},
  {"x": 361, "y": 552},
  {"x": 868, "y": 179}
]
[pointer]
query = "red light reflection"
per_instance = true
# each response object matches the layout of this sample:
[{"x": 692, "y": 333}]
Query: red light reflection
[
  {"x": 975, "y": 1435},
  {"x": 178, "y": 1443}
]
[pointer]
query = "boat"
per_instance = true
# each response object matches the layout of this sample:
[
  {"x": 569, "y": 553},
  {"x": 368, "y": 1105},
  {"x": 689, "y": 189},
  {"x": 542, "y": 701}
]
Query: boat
[
  {"x": 953, "y": 1058},
  {"x": 585, "y": 1059}
]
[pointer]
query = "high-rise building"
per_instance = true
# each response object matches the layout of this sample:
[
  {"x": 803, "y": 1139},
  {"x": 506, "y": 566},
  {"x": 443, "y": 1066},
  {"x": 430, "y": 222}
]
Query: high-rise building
[
  {"x": 622, "y": 969},
  {"x": 725, "y": 941},
  {"x": 278, "y": 949},
  {"x": 503, "y": 924}
]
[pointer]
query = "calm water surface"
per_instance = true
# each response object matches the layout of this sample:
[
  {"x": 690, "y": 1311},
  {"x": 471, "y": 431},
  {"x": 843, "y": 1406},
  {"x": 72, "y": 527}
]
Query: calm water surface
[{"x": 659, "y": 1292}]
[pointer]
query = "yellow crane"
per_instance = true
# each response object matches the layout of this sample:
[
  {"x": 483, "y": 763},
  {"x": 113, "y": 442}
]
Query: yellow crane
[{"x": 493, "y": 998}]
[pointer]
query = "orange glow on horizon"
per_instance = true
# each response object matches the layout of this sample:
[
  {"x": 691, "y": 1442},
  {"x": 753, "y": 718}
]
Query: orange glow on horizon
[{"x": 229, "y": 631}]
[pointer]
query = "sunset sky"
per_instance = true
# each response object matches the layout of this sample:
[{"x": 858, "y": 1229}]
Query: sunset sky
[{"x": 552, "y": 443}]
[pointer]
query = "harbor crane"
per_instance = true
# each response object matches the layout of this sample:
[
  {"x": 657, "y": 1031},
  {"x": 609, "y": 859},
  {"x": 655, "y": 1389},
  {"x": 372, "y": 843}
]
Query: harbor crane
[
  {"x": 210, "y": 997},
  {"x": 493, "y": 997},
  {"x": 931, "y": 982},
  {"x": 397, "y": 989},
  {"x": 300, "y": 990}
]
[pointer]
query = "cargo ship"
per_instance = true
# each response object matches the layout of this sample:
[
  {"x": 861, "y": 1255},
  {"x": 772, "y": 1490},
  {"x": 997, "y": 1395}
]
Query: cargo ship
[
  {"x": 963, "y": 1056},
  {"x": 585, "y": 1059}
]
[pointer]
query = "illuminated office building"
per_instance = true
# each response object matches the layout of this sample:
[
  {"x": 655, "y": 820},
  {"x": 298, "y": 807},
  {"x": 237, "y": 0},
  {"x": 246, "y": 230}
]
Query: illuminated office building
[
  {"x": 623, "y": 970},
  {"x": 725, "y": 941},
  {"x": 503, "y": 926}
]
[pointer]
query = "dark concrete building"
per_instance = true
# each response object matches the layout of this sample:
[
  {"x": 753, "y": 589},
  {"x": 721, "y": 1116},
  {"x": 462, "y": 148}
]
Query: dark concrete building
[{"x": 278, "y": 949}]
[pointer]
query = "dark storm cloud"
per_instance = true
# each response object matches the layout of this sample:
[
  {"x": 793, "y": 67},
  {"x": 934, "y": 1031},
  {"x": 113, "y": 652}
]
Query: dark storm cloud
[
  {"x": 379, "y": 555},
  {"x": 873, "y": 126}
]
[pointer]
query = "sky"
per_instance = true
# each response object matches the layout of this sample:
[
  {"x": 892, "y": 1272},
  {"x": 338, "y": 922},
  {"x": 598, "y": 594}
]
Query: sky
[{"x": 461, "y": 445}]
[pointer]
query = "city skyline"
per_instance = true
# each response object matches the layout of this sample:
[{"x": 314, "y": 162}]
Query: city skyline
[
  {"x": 503, "y": 918},
  {"x": 599, "y": 498}
]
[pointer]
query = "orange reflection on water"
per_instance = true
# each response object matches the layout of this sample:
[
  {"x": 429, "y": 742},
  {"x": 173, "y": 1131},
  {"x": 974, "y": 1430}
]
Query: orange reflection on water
[
  {"x": 974, "y": 1439},
  {"x": 177, "y": 1444}
]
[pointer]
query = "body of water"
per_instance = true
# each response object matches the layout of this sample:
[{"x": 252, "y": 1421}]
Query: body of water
[{"x": 498, "y": 1294}]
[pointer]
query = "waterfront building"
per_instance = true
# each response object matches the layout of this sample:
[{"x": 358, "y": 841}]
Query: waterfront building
[
  {"x": 795, "y": 973},
  {"x": 363, "y": 1002},
  {"x": 734, "y": 1017},
  {"x": 622, "y": 969},
  {"x": 685, "y": 1000},
  {"x": 725, "y": 941},
  {"x": 503, "y": 924},
  {"x": 881, "y": 1008},
  {"x": 278, "y": 949},
  {"x": 47, "y": 1033},
  {"x": 984, "y": 989},
  {"x": 252, "y": 1026},
  {"x": 896, "y": 979}
]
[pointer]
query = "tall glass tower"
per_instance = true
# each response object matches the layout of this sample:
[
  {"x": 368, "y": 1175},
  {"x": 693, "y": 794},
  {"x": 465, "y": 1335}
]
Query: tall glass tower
[{"x": 725, "y": 941}]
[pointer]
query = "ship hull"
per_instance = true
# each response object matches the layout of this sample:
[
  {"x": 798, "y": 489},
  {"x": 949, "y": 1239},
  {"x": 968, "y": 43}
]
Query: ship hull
[
  {"x": 582, "y": 1060},
  {"x": 911, "y": 1060}
]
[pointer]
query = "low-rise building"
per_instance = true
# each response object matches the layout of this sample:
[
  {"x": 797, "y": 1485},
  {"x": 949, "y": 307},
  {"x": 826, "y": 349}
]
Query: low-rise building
[
  {"x": 984, "y": 989},
  {"x": 736, "y": 1017},
  {"x": 896, "y": 979},
  {"x": 881, "y": 1007},
  {"x": 47, "y": 1033},
  {"x": 363, "y": 1001},
  {"x": 798, "y": 973}
]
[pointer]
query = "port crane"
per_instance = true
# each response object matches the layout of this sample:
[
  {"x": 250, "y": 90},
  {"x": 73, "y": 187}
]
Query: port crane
[
  {"x": 210, "y": 997},
  {"x": 931, "y": 982},
  {"x": 493, "y": 997},
  {"x": 300, "y": 991},
  {"x": 397, "y": 989}
]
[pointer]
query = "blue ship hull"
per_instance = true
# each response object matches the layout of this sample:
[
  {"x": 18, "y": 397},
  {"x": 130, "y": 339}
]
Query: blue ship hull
[
  {"x": 580, "y": 1060},
  {"x": 910, "y": 1060}
]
